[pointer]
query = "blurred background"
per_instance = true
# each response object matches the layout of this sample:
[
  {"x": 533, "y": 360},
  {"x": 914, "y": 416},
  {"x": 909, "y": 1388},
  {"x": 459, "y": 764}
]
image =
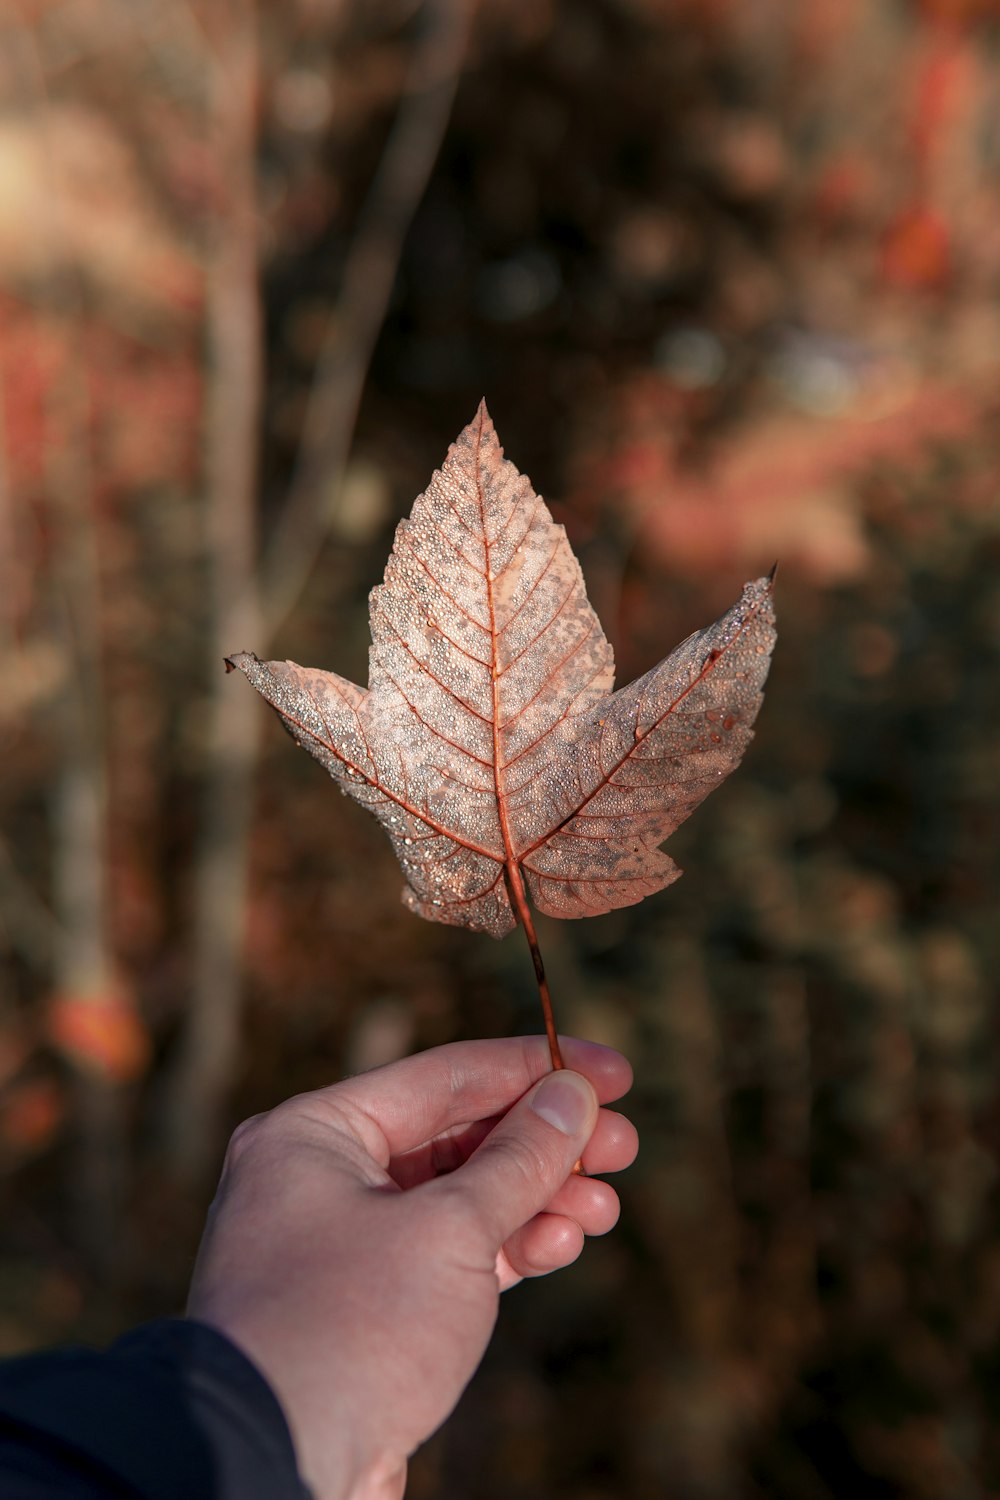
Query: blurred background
[{"x": 728, "y": 276}]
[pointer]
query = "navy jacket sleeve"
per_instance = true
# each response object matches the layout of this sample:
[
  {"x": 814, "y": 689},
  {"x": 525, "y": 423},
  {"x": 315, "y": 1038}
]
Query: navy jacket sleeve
[{"x": 172, "y": 1411}]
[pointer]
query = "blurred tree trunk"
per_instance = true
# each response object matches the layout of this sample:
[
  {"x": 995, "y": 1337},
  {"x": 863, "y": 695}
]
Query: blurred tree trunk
[
  {"x": 209, "y": 1048},
  {"x": 84, "y": 969},
  {"x": 84, "y": 979},
  {"x": 210, "y": 1042},
  {"x": 355, "y": 322}
]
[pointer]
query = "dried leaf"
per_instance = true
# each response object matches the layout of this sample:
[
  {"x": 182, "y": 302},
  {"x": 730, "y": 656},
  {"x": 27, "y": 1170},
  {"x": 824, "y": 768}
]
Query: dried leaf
[{"x": 489, "y": 743}]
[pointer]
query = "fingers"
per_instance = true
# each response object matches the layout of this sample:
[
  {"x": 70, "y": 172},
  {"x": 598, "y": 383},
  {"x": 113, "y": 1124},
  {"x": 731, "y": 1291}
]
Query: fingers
[
  {"x": 407, "y": 1103},
  {"x": 527, "y": 1157},
  {"x": 549, "y": 1243},
  {"x": 612, "y": 1148},
  {"x": 608, "y": 1071},
  {"x": 553, "y": 1236},
  {"x": 590, "y": 1203},
  {"x": 553, "y": 1239}
]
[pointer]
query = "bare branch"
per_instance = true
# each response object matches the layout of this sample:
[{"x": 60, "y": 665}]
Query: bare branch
[{"x": 354, "y": 325}]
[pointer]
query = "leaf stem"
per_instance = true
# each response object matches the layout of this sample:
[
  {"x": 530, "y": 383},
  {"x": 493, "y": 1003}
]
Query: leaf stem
[
  {"x": 520, "y": 901},
  {"x": 519, "y": 896}
]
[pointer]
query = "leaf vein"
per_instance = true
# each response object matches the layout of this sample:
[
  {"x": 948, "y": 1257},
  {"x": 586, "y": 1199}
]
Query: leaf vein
[
  {"x": 549, "y": 678},
  {"x": 521, "y": 607},
  {"x": 710, "y": 662}
]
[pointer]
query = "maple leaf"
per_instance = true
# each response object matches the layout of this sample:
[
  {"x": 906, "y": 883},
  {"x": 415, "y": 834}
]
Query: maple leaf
[{"x": 489, "y": 742}]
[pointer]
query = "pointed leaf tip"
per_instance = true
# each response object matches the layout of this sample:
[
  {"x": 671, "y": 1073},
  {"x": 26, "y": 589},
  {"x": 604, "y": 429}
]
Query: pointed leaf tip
[
  {"x": 238, "y": 661},
  {"x": 482, "y": 428}
]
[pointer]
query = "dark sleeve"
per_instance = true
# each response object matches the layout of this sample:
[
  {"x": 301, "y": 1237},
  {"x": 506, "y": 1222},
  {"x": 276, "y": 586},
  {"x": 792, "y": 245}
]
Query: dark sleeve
[{"x": 172, "y": 1411}]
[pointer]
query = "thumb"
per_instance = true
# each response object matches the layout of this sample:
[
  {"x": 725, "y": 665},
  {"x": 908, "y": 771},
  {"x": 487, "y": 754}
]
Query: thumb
[{"x": 526, "y": 1158}]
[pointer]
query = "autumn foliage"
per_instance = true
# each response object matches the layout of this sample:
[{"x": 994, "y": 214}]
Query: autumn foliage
[{"x": 728, "y": 277}]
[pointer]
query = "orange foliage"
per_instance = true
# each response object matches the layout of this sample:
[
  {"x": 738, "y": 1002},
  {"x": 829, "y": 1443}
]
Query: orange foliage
[
  {"x": 31, "y": 1112},
  {"x": 779, "y": 487},
  {"x": 916, "y": 249},
  {"x": 100, "y": 1034}
]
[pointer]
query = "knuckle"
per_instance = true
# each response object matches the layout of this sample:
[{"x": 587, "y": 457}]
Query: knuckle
[
  {"x": 244, "y": 1137},
  {"x": 459, "y": 1220},
  {"x": 455, "y": 1208},
  {"x": 516, "y": 1156}
]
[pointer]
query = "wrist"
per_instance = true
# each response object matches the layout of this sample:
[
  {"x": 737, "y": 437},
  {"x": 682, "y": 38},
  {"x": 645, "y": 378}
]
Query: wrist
[{"x": 333, "y": 1448}]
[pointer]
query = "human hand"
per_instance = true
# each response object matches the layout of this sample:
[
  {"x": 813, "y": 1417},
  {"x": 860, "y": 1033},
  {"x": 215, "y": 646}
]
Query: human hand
[{"x": 361, "y": 1236}]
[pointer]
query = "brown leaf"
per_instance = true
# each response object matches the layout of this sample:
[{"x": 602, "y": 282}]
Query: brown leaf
[{"x": 489, "y": 743}]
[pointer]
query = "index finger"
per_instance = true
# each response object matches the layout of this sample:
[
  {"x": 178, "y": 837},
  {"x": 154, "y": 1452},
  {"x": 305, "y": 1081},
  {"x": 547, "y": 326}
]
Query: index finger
[{"x": 411, "y": 1101}]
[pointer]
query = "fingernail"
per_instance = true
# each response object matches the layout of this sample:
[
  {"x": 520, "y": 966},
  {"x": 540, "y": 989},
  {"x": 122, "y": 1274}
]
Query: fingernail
[{"x": 564, "y": 1099}]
